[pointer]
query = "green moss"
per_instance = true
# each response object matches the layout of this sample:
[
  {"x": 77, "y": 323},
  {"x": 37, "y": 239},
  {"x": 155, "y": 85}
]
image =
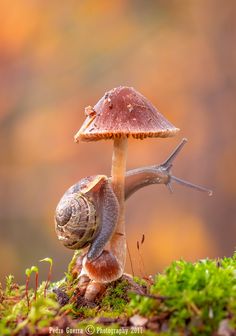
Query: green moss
[
  {"x": 71, "y": 265},
  {"x": 116, "y": 298},
  {"x": 187, "y": 298},
  {"x": 197, "y": 296},
  {"x": 139, "y": 281},
  {"x": 9, "y": 284}
]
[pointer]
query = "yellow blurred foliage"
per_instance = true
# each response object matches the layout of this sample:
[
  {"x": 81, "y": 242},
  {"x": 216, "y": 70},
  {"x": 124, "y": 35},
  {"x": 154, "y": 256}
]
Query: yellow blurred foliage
[{"x": 179, "y": 235}]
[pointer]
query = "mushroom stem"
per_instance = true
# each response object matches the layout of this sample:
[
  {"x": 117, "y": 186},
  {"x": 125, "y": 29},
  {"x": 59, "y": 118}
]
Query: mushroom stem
[{"x": 118, "y": 240}]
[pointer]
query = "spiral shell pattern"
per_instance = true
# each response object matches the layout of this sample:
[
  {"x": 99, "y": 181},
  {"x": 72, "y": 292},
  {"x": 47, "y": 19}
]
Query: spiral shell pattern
[{"x": 76, "y": 220}]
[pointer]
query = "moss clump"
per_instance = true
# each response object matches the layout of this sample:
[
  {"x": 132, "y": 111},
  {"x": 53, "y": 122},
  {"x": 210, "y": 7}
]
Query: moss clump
[
  {"x": 187, "y": 299},
  {"x": 116, "y": 298},
  {"x": 193, "y": 297}
]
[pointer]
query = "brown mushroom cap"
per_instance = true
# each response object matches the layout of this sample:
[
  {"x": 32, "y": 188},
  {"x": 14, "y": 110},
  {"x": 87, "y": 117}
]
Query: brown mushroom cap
[{"x": 124, "y": 112}]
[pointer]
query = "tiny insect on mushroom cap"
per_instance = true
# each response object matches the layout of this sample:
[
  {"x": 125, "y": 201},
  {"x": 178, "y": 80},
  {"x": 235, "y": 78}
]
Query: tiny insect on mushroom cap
[
  {"x": 104, "y": 269},
  {"x": 124, "y": 112}
]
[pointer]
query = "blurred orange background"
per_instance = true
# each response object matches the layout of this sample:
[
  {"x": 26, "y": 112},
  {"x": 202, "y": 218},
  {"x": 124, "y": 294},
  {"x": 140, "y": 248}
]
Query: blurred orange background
[{"x": 58, "y": 57}]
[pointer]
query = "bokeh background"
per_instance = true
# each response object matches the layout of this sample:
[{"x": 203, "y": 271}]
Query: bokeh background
[{"x": 58, "y": 57}]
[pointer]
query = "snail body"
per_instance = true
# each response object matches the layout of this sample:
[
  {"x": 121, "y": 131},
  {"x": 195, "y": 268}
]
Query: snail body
[{"x": 88, "y": 211}]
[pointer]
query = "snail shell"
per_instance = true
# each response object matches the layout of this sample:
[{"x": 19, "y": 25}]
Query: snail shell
[
  {"x": 87, "y": 215},
  {"x": 76, "y": 218},
  {"x": 77, "y": 223}
]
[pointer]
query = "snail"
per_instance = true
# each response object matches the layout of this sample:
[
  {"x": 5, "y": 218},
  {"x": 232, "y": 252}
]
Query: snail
[
  {"x": 87, "y": 213},
  {"x": 92, "y": 213}
]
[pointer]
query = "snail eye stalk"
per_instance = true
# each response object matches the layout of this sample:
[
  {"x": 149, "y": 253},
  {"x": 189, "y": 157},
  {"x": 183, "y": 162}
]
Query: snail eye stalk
[
  {"x": 169, "y": 162},
  {"x": 167, "y": 165},
  {"x": 191, "y": 185}
]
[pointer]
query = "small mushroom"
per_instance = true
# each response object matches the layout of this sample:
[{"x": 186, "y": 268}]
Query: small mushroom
[{"x": 122, "y": 113}]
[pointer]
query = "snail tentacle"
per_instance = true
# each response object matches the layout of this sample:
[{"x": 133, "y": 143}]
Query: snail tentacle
[{"x": 138, "y": 178}]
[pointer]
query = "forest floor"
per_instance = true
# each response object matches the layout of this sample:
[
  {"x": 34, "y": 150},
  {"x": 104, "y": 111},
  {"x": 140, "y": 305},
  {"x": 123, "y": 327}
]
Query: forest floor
[{"x": 187, "y": 299}]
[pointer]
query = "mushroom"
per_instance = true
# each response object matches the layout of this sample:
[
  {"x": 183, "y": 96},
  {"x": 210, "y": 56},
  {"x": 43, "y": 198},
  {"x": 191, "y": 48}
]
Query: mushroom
[{"x": 121, "y": 113}]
